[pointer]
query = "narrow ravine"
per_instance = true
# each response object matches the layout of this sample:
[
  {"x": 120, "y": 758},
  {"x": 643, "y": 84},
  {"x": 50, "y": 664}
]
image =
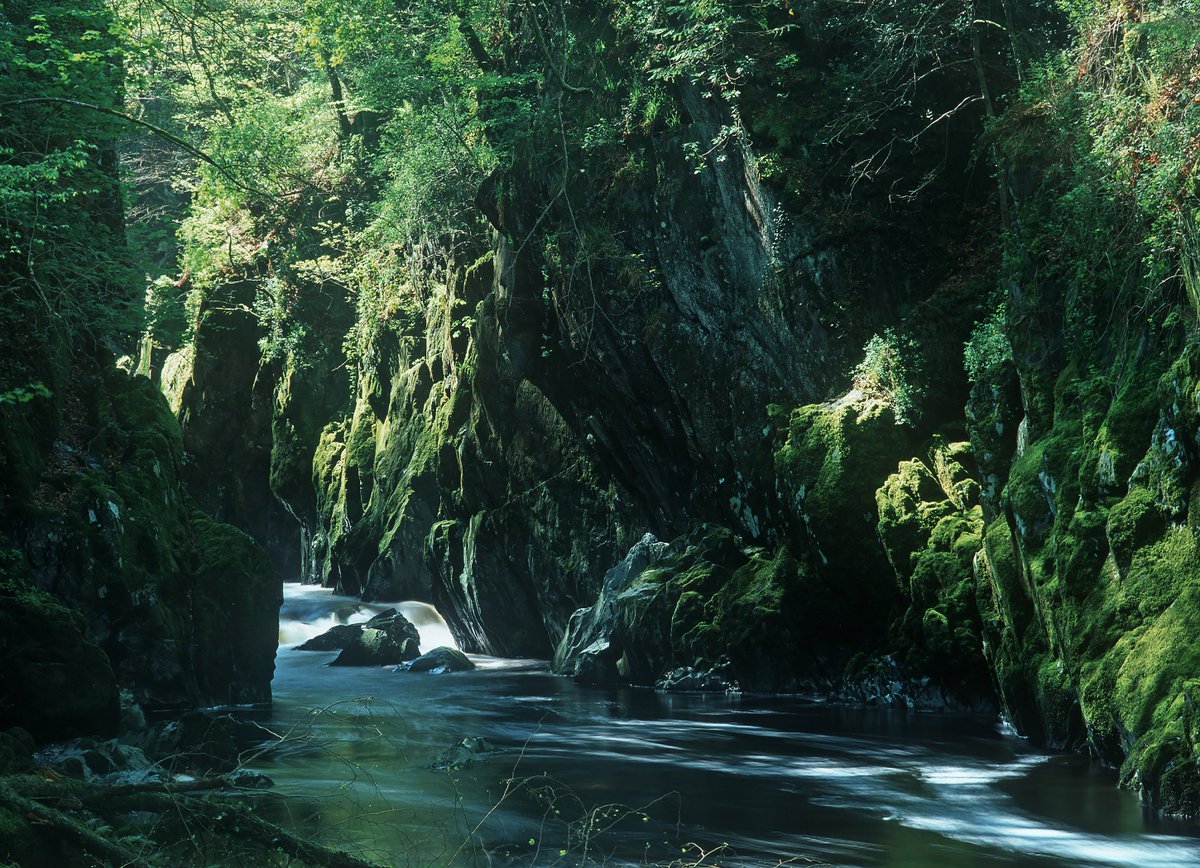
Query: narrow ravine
[{"x": 750, "y": 778}]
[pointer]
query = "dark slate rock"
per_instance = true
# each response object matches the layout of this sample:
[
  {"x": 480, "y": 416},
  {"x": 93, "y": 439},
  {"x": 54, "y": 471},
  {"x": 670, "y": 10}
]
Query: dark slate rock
[
  {"x": 385, "y": 640},
  {"x": 440, "y": 660}
]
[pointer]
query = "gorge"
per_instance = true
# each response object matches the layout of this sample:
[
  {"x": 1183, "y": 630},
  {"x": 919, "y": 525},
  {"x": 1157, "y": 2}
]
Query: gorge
[{"x": 727, "y": 356}]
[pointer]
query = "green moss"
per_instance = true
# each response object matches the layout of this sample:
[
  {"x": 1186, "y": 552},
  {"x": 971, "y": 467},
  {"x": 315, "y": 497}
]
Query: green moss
[
  {"x": 1056, "y": 699},
  {"x": 835, "y": 458},
  {"x": 1032, "y": 503},
  {"x": 762, "y": 614},
  {"x": 1081, "y": 550},
  {"x": 936, "y": 628},
  {"x": 1125, "y": 433},
  {"x": 904, "y": 521},
  {"x": 1132, "y": 523},
  {"x": 931, "y": 523},
  {"x": 1157, "y": 662}
]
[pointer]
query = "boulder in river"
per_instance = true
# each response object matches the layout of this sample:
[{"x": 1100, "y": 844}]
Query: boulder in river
[
  {"x": 333, "y": 639},
  {"x": 689, "y": 678},
  {"x": 376, "y": 647},
  {"x": 439, "y": 660},
  {"x": 387, "y": 638}
]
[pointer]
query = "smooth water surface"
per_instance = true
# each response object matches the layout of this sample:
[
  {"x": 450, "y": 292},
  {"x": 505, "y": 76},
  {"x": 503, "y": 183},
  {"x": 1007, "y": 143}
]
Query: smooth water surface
[{"x": 634, "y": 776}]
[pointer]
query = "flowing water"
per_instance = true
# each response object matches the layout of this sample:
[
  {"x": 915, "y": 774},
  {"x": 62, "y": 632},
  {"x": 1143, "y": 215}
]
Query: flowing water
[{"x": 633, "y": 776}]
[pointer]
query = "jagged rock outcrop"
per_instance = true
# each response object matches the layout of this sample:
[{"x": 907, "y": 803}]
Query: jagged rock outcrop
[{"x": 223, "y": 396}]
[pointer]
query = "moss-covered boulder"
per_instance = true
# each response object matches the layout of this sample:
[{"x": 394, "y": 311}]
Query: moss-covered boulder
[
  {"x": 385, "y": 640},
  {"x": 834, "y": 458},
  {"x": 931, "y": 524}
]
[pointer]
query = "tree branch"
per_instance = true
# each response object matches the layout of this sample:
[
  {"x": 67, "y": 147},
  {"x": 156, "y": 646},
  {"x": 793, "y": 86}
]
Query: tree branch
[{"x": 157, "y": 130}]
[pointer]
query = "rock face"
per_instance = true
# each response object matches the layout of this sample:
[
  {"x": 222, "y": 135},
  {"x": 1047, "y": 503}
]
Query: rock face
[
  {"x": 56, "y": 681},
  {"x": 708, "y": 603},
  {"x": 251, "y": 425},
  {"x": 587, "y": 650},
  {"x": 224, "y": 400},
  {"x": 175, "y": 607}
]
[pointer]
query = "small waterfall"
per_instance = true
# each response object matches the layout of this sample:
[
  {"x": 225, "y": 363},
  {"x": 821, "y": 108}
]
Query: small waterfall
[
  {"x": 309, "y": 611},
  {"x": 431, "y": 626}
]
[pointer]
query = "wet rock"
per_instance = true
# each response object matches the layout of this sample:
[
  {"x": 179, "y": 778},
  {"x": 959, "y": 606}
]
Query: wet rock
[
  {"x": 439, "y": 661},
  {"x": 465, "y": 753},
  {"x": 110, "y": 762},
  {"x": 375, "y": 647},
  {"x": 333, "y": 639},
  {"x": 882, "y": 681},
  {"x": 341, "y": 635},
  {"x": 385, "y": 640},
  {"x": 587, "y": 651},
  {"x": 718, "y": 679}
]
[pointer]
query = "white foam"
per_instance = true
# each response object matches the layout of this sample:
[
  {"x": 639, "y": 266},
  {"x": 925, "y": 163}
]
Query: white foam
[
  {"x": 308, "y": 611},
  {"x": 431, "y": 626}
]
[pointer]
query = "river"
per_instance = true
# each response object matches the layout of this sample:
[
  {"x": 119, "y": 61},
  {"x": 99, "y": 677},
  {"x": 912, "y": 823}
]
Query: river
[{"x": 580, "y": 776}]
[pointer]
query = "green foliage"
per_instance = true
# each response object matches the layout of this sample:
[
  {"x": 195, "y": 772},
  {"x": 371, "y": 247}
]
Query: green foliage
[
  {"x": 989, "y": 346},
  {"x": 167, "y": 315},
  {"x": 273, "y": 306},
  {"x": 24, "y": 394},
  {"x": 61, "y": 245},
  {"x": 889, "y": 372}
]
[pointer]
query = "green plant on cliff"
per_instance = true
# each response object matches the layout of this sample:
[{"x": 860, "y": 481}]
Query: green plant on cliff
[
  {"x": 989, "y": 346},
  {"x": 889, "y": 372}
]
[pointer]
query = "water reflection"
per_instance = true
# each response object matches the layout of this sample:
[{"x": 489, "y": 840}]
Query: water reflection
[{"x": 768, "y": 777}]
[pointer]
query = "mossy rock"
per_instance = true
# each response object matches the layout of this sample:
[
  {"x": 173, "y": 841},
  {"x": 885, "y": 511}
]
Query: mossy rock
[
  {"x": 54, "y": 682},
  {"x": 1132, "y": 523},
  {"x": 835, "y": 458},
  {"x": 235, "y": 614}
]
